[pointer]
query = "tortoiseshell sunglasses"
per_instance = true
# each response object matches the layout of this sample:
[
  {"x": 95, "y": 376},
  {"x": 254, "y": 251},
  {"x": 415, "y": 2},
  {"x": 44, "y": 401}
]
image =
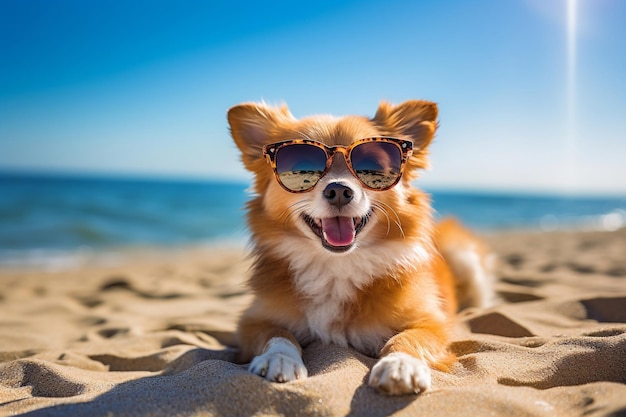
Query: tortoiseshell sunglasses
[{"x": 300, "y": 163}]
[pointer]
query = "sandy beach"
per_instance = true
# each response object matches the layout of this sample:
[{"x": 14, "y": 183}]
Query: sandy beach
[{"x": 152, "y": 335}]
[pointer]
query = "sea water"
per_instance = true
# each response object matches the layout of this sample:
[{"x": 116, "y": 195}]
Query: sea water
[{"x": 44, "y": 218}]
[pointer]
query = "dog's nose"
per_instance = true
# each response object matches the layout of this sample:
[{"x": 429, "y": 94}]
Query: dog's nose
[{"x": 338, "y": 194}]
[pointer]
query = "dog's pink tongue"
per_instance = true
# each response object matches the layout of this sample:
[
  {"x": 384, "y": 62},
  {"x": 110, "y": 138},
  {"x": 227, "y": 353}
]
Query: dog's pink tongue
[{"x": 338, "y": 231}]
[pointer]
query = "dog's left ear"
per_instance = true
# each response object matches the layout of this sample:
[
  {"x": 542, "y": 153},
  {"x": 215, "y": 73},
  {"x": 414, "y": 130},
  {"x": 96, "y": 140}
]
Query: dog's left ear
[
  {"x": 416, "y": 119},
  {"x": 253, "y": 125}
]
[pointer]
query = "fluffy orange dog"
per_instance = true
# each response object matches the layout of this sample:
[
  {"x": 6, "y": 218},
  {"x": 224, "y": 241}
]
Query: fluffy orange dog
[{"x": 345, "y": 249}]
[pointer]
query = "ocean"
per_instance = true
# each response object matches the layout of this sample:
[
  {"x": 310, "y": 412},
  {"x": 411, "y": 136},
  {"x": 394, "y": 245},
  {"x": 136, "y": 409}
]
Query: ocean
[{"x": 47, "y": 219}]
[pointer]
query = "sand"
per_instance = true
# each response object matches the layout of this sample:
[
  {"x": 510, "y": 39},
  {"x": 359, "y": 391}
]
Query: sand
[{"x": 152, "y": 336}]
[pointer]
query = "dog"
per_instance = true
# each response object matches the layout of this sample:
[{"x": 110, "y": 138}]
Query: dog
[{"x": 346, "y": 250}]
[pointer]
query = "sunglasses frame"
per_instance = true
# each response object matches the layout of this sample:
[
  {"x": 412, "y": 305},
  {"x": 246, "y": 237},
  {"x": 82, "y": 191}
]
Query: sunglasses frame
[{"x": 405, "y": 147}]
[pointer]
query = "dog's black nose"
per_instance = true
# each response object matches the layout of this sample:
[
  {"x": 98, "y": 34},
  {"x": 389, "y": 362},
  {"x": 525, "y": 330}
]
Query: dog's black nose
[{"x": 338, "y": 195}]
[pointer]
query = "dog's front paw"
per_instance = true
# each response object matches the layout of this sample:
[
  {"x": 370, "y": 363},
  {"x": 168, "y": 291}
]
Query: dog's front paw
[
  {"x": 399, "y": 373},
  {"x": 281, "y": 362}
]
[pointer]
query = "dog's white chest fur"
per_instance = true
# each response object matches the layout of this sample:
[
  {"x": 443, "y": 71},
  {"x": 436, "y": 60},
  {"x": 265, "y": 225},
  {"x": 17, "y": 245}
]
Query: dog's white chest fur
[
  {"x": 330, "y": 286},
  {"x": 323, "y": 323},
  {"x": 331, "y": 283}
]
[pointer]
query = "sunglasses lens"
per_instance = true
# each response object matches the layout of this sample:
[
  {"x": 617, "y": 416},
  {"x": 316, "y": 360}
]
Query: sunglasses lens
[
  {"x": 300, "y": 166},
  {"x": 377, "y": 164}
]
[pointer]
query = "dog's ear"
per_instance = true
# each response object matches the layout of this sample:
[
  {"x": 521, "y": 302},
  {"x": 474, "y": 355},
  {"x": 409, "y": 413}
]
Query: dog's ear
[
  {"x": 253, "y": 125},
  {"x": 415, "y": 119}
]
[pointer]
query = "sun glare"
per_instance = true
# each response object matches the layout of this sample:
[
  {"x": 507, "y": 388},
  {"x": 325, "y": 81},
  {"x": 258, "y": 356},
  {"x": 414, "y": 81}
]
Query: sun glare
[
  {"x": 570, "y": 134},
  {"x": 571, "y": 47}
]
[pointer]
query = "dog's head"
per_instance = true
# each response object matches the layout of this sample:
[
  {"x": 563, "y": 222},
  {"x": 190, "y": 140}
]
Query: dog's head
[{"x": 334, "y": 211}]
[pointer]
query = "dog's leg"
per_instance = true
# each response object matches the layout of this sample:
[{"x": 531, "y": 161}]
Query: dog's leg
[
  {"x": 277, "y": 353},
  {"x": 280, "y": 362},
  {"x": 404, "y": 367}
]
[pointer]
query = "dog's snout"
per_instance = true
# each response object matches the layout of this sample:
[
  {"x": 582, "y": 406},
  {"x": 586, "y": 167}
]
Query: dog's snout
[{"x": 338, "y": 194}]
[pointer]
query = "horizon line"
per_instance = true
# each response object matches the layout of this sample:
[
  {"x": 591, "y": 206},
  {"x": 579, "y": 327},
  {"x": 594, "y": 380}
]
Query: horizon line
[{"x": 427, "y": 186}]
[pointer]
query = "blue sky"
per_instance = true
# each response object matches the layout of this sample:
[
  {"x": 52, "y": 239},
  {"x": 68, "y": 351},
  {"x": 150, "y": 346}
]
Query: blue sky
[{"x": 142, "y": 87}]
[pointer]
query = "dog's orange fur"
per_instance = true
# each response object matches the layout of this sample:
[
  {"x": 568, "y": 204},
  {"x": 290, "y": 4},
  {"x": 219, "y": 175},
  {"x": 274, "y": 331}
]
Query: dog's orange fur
[{"x": 409, "y": 308}]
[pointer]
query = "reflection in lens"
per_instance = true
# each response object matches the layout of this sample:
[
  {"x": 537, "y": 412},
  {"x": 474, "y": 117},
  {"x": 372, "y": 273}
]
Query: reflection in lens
[
  {"x": 300, "y": 166},
  {"x": 377, "y": 164}
]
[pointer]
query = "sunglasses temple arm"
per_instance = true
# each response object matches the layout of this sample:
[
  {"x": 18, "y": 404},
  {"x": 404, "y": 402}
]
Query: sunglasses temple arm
[{"x": 266, "y": 155}]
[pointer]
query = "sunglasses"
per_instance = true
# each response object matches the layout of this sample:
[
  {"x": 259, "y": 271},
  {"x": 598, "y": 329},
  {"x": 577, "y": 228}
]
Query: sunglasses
[{"x": 300, "y": 163}]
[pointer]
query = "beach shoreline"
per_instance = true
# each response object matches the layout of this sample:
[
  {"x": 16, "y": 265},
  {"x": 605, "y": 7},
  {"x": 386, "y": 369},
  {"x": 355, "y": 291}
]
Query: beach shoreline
[{"x": 152, "y": 334}]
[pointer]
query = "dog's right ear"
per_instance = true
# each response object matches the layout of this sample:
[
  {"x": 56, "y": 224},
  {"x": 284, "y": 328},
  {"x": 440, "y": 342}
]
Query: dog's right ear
[{"x": 253, "y": 125}]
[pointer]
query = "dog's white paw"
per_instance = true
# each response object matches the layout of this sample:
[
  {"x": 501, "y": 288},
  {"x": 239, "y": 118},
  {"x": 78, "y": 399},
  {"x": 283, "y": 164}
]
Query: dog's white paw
[
  {"x": 281, "y": 362},
  {"x": 399, "y": 373}
]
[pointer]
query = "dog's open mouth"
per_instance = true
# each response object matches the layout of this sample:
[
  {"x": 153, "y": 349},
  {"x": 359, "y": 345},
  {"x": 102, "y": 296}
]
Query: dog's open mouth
[{"x": 337, "y": 234}]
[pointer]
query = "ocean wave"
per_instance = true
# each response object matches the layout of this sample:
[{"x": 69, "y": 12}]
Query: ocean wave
[
  {"x": 608, "y": 222},
  {"x": 54, "y": 260},
  {"x": 68, "y": 259}
]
